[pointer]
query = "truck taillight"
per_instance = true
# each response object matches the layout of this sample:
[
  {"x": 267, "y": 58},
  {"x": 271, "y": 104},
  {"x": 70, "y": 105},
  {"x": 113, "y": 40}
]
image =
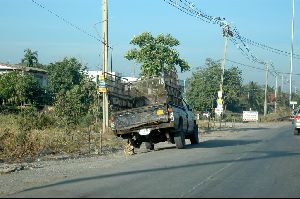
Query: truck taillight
[{"x": 297, "y": 117}]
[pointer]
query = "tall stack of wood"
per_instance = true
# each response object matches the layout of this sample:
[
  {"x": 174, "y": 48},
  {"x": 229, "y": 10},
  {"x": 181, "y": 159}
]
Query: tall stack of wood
[
  {"x": 145, "y": 91},
  {"x": 172, "y": 86},
  {"x": 118, "y": 92}
]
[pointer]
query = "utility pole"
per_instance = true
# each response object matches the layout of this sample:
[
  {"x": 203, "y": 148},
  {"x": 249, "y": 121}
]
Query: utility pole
[
  {"x": 281, "y": 83},
  {"x": 276, "y": 94},
  {"x": 266, "y": 88},
  {"x": 105, "y": 61},
  {"x": 292, "y": 52},
  {"x": 226, "y": 34}
]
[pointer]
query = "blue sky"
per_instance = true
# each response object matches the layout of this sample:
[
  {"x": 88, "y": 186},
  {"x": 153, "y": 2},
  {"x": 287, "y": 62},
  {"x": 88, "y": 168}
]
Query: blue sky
[{"x": 26, "y": 25}]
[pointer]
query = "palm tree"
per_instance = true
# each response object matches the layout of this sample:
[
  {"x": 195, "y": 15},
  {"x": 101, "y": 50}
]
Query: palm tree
[{"x": 30, "y": 58}]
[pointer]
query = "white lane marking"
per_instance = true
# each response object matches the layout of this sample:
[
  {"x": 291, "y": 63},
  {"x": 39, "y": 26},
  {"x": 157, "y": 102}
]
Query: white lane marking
[{"x": 212, "y": 176}]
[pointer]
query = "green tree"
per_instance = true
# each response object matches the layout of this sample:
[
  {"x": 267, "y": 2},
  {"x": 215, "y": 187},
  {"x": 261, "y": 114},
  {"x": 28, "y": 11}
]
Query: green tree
[
  {"x": 204, "y": 85},
  {"x": 18, "y": 88},
  {"x": 8, "y": 87},
  {"x": 156, "y": 54},
  {"x": 30, "y": 58},
  {"x": 73, "y": 92},
  {"x": 253, "y": 97},
  {"x": 76, "y": 103},
  {"x": 232, "y": 89},
  {"x": 64, "y": 75}
]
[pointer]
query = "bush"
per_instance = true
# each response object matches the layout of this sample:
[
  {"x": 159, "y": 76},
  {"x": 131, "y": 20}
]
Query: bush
[{"x": 24, "y": 137}]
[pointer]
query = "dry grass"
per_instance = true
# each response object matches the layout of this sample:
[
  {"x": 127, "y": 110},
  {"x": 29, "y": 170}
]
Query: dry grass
[{"x": 19, "y": 145}]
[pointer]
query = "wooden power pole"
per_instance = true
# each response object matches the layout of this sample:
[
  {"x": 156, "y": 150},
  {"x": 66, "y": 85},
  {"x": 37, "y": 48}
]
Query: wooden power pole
[
  {"x": 266, "y": 89},
  {"x": 105, "y": 61}
]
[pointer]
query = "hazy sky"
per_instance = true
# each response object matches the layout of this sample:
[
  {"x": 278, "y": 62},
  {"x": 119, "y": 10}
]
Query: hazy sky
[{"x": 26, "y": 25}]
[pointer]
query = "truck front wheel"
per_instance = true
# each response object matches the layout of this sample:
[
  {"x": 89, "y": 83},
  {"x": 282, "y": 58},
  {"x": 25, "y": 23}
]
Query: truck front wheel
[
  {"x": 149, "y": 146},
  {"x": 195, "y": 137}
]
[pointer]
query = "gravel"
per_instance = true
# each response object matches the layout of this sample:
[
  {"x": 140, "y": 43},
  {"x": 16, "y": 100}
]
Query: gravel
[{"x": 20, "y": 176}]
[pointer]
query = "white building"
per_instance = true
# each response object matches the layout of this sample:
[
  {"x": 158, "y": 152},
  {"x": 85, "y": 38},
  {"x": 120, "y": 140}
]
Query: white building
[{"x": 38, "y": 73}]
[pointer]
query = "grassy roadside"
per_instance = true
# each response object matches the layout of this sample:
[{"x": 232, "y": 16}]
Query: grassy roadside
[
  {"x": 22, "y": 139},
  {"x": 31, "y": 136}
]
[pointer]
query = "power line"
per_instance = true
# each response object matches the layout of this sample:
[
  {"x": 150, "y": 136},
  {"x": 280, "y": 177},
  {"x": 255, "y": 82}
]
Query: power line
[
  {"x": 190, "y": 9},
  {"x": 68, "y": 22},
  {"x": 262, "y": 69}
]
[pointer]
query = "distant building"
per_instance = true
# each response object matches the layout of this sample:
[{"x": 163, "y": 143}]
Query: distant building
[{"x": 40, "y": 74}]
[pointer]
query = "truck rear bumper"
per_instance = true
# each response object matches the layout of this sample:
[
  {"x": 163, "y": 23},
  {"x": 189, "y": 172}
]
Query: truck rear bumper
[{"x": 137, "y": 129}]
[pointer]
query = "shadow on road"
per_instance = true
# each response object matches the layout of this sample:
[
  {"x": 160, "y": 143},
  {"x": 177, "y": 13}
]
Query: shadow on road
[
  {"x": 222, "y": 143},
  {"x": 212, "y": 144},
  {"x": 234, "y": 129},
  {"x": 249, "y": 129}
]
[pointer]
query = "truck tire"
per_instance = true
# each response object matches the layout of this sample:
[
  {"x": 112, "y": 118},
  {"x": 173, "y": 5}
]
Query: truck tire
[
  {"x": 195, "y": 136},
  {"x": 149, "y": 146},
  {"x": 179, "y": 137}
]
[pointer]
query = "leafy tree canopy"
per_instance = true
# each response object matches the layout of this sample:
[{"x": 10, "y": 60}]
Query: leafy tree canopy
[
  {"x": 19, "y": 88},
  {"x": 64, "y": 75},
  {"x": 30, "y": 58},
  {"x": 253, "y": 97},
  {"x": 204, "y": 85},
  {"x": 156, "y": 54}
]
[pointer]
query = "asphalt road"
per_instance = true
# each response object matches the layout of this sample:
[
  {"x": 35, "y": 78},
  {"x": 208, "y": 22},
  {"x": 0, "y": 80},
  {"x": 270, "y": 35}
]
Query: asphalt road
[{"x": 254, "y": 162}]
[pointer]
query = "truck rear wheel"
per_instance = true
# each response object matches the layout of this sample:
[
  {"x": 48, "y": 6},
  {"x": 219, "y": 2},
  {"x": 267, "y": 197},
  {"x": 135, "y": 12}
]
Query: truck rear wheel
[
  {"x": 179, "y": 137},
  {"x": 149, "y": 146}
]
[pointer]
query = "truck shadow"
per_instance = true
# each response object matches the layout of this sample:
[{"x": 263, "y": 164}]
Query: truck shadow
[
  {"x": 210, "y": 144},
  {"x": 221, "y": 143},
  {"x": 232, "y": 129},
  {"x": 248, "y": 129}
]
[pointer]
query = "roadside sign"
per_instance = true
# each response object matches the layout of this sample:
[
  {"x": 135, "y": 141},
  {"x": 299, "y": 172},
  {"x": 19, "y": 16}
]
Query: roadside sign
[
  {"x": 101, "y": 77},
  {"x": 102, "y": 90},
  {"x": 220, "y": 94},
  {"x": 250, "y": 116},
  {"x": 219, "y": 101},
  {"x": 293, "y": 102},
  {"x": 102, "y": 84},
  {"x": 219, "y": 110}
]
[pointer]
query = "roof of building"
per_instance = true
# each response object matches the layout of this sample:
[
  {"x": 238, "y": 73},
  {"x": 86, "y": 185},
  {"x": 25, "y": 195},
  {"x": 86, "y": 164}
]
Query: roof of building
[{"x": 17, "y": 67}]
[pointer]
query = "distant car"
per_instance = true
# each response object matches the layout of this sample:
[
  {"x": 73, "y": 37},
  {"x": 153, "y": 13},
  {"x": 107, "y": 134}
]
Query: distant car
[
  {"x": 296, "y": 122},
  {"x": 293, "y": 114}
]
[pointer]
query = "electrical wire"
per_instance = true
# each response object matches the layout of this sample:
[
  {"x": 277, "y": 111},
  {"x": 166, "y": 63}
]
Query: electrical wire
[
  {"x": 190, "y": 9},
  {"x": 69, "y": 23},
  {"x": 262, "y": 69}
]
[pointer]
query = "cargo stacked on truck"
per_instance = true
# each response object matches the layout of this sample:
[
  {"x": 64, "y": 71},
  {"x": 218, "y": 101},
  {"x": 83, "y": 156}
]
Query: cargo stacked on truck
[{"x": 151, "y": 110}]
